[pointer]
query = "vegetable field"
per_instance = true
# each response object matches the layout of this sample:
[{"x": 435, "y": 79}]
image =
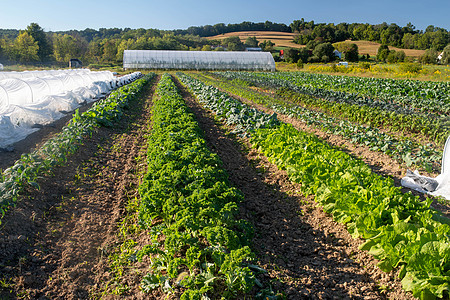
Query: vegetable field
[{"x": 233, "y": 185}]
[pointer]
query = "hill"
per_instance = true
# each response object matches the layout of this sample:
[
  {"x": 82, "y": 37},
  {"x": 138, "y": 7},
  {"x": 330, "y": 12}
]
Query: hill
[
  {"x": 285, "y": 39},
  {"x": 280, "y": 39},
  {"x": 371, "y": 48}
]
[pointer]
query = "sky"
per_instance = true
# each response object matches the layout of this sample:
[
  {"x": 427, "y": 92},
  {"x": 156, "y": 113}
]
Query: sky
[{"x": 60, "y": 15}]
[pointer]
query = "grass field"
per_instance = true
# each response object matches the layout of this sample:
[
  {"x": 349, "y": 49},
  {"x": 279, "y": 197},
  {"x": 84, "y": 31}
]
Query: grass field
[
  {"x": 371, "y": 48},
  {"x": 285, "y": 39},
  {"x": 280, "y": 39}
]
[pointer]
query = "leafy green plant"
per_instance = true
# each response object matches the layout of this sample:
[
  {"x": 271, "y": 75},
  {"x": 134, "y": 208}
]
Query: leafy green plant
[
  {"x": 405, "y": 151},
  {"x": 399, "y": 230},
  {"x": 402, "y": 105},
  {"x": 56, "y": 150},
  {"x": 186, "y": 197}
]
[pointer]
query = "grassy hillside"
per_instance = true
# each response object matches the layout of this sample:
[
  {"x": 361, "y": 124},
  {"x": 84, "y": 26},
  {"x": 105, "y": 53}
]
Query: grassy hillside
[
  {"x": 281, "y": 39},
  {"x": 285, "y": 39},
  {"x": 371, "y": 48}
]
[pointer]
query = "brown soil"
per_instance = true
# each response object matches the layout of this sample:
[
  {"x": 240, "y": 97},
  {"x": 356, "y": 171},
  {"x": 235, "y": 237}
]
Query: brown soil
[
  {"x": 280, "y": 39},
  {"x": 379, "y": 162},
  {"x": 306, "y": 254},
  {"x": 55, "y": 244}
]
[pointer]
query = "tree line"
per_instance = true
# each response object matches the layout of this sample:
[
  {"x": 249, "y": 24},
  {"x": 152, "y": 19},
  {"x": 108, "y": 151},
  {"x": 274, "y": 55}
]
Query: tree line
[
  {"x": 406, "y": 37},
  {"x": 33, "y": 45}
]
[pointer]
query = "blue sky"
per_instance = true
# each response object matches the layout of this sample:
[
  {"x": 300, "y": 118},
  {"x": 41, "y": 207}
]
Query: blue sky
[{"x": 56, "y": 15}]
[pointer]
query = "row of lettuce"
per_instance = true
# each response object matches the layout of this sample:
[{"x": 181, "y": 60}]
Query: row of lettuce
[
  {"x": 405, "y": 150},
  {"x": 55, "y": 151},
  {"x": 398, "y": 229},
  {"x": 198, "y": 246},
  {"x": 414, "y": 112}
]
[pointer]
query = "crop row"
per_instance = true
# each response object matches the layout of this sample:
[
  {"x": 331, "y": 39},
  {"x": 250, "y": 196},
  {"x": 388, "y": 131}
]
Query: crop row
[
  {"x": 55, "y": 151},
  {"x": 244, "y": 117},
  {"x": 411, "y": 95},
  {"x": 189, "y": 209},
  {"x": 356, "y": 108},
  {"x": 399, "y": 230},
  {"x": 405, "y": 151}
]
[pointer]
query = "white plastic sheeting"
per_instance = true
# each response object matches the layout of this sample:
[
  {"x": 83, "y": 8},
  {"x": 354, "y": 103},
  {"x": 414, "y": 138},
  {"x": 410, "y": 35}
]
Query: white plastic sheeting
[
  {"x": 27, "y": 102},
  {"x": 443, "y": 179},
  {"x": 44, "y": 73},
  {"x": 22, "y": 87},
  {"x": 198, "y": 60}
]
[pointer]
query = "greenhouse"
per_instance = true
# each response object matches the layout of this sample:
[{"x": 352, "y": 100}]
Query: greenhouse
[{"x": 198, "y": 60}]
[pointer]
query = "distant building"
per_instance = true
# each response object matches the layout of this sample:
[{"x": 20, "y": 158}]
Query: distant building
[
  {"x": 253, "y": 49},
  {"x": 75, "y": 63},
  {"x": 337, "y": 54},
  {"x": 1, "y": 67},
  {"x": 440, "y": 56}
]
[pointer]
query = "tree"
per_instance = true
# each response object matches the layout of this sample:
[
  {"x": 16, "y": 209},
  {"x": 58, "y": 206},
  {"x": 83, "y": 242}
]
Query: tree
[
  {"x": 25, "y": 48},
  {"x": 429, "y": 57},
  {"x": 383, "y": 52},
  {"x": 94, "y": 51},
  {"x": 395, "y": 56},
  {"x": 266, "y": 45},
  {"x": 409, "y": 41},
  {"x": 66, "y": 47},
  {"x": 251, "y": 42},
  {"x": 233, "y": 43},
  {"x": 446, "y": 55},
  {"x": 206, "y": 48},
  {"x": 350, "y": 50},
  {"x": 324, "y": 52},
  {"x": 311, "y": 45},
  {"x": 2, "y": 49},
  {"x": 291, "y": 55},
  {"x": 109, "y": 50},
  {"x": 44, "y": 47}
]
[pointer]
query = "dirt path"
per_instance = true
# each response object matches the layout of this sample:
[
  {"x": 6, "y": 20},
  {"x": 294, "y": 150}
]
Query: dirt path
[
  {"x": 306, "y": 254},
  {"x": 55, "y": 244}
]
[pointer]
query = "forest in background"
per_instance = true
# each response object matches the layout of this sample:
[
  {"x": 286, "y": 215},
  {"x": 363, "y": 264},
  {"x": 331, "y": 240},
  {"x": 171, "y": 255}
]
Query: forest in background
[{"x": 34, "y": 45}]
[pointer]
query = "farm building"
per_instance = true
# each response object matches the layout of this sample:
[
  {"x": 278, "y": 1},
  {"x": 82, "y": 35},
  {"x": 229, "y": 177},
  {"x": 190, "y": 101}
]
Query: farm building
[{"x": 198, "y": 60}]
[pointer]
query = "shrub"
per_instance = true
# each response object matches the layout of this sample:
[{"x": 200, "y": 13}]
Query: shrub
[
  {"x": 429, "y": 57},
  {"x": 382, "y": 53},
  {"x": 410, "y": 67},
  {"x": 364, "y": 65}
]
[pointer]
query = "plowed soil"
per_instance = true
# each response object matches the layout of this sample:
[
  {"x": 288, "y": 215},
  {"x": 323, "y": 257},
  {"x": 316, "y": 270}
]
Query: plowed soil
[
  {"x": 55, "y": 244},
  {"x": 307, "y": 255}
]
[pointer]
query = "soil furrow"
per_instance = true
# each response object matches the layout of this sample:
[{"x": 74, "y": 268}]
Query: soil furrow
[
  {"x": 55, "y": 244},
  {"x": 306, "y": 254}
]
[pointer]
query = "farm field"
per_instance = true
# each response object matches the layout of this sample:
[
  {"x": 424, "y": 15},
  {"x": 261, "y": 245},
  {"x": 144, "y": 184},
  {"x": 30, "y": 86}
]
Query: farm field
[
  {"x": 371, "y": 48},
  {"x": 230, "y": 184},
  {"x": 280, "y": 39},
  {"x": 285, "y": 39}
]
